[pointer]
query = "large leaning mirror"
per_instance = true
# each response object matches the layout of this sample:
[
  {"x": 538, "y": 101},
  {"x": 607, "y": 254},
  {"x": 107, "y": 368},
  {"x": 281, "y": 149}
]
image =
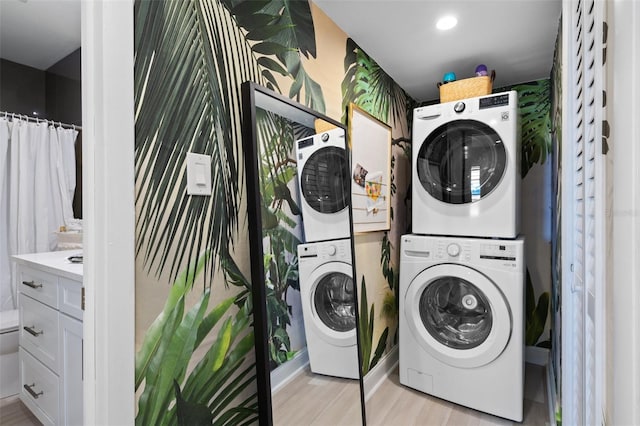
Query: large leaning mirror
[{"x": 305, "y": 310}]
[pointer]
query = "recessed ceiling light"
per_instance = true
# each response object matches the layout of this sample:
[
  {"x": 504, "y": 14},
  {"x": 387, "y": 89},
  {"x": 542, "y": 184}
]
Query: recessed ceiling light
[{"x": 446, "y": 22}]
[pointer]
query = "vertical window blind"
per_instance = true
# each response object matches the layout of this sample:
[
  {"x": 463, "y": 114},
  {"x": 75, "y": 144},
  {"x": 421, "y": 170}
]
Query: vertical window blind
[{"x": 584, "y": 302}]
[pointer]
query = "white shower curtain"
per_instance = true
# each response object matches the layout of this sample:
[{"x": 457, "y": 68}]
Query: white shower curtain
[{"x": 37, "y": 181}]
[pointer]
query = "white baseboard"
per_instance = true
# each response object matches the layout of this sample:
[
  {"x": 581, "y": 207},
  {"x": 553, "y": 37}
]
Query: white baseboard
[
  {"x": 536, "y": 355},
  {"x": 376, "y": 376},
  {"x": 290, "y": 369}
]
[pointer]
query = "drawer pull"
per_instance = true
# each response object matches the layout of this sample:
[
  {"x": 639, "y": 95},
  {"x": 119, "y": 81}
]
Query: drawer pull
[
  {"x": 32, "y": 284},
  {"x": 29, "y": 389},
  {"x": 32, "y": 331}
]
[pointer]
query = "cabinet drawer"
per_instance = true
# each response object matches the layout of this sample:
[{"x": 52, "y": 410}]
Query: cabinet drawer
[
  {"x": 70, "y": 297},
  {"x": 39, "y": 285},
  {"x": 39, "y": 389},
  {"x": 39, "y": 331}
]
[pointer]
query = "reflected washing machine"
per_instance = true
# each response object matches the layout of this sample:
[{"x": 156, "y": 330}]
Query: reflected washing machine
[
  {"x": 466, "y": 167},
  {"x": 328, "y": 307},
  {"x": 462, "y": 321},
  {"x": 323, "y": 179}
]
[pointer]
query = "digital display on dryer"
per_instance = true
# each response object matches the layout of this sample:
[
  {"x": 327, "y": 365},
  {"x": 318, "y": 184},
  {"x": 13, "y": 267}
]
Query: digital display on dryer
[
  {"x": 494, "y": 101},
  {"x": 303, "y": 143}
]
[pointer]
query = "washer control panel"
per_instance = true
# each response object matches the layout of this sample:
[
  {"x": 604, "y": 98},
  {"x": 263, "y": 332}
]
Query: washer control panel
[
  {"x": 503, "y": 254},
  {"x": 455, "y": 251},
  {"x": 497, "y": 251},
  {"x": 326, "y": 250}
]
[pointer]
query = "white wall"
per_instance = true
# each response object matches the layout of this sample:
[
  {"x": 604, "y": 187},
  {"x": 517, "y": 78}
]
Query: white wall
[{"x": 623, "y": 94}]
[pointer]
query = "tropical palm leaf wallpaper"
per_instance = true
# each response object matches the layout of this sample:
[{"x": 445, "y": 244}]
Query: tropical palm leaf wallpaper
[
  {"x": 534, "y": 104},
  {"x": 194, "y": 323},
  {"x": 195, "y": 361},
  {"x": 368, "y": 86}
]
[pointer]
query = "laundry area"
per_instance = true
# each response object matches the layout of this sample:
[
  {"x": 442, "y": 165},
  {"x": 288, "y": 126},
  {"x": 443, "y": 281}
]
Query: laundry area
[
  {"x": 319, "y": 212},
  {"x": 462, "y": 279}
]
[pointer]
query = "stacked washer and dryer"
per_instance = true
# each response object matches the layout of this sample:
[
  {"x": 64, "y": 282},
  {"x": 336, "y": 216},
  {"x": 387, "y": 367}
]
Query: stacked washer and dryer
[
  {"x": 325, "y": 269},
  {"x": 462, "y": 270}
]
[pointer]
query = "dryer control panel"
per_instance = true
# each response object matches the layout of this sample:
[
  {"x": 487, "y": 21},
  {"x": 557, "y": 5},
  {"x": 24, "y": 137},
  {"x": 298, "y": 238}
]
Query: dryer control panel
[{"x": 494, "y": 101}]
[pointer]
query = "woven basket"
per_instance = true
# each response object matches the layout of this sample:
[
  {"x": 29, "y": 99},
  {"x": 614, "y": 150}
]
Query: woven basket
[{"x": 466, "y": 88}]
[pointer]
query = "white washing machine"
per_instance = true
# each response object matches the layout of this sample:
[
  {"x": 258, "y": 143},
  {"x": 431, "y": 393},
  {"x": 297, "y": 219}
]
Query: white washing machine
[
  {"x": 461, "y": 321},
  {"x": 323, "y": 179},
  {"x": 466, "y": 167},
  {"x": 328, "y": 307}
]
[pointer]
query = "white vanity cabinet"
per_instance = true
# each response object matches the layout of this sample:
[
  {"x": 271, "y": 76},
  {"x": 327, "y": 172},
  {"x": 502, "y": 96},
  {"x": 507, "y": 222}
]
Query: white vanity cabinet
[{"x": 50, "y": 306}]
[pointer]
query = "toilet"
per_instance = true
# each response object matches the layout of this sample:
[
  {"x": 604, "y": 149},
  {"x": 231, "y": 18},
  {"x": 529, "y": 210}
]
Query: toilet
[{"x": 8, "y": 353}]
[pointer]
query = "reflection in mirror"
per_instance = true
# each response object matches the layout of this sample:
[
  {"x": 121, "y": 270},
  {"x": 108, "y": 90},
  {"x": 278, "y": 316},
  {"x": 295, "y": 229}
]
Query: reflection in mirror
[{"x": 302, "y": 272}]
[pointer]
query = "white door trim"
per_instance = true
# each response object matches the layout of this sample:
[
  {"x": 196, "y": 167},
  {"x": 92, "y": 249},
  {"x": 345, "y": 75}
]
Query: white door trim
[
  {"x": 623, "y": 66},
  {"x": 109, "y": 213}
]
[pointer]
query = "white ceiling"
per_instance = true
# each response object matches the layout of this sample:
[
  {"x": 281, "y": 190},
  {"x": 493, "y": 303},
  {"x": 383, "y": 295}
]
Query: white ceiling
[
  {"x": 39, "y": 33},
  {"x": 516, "y": 38}
]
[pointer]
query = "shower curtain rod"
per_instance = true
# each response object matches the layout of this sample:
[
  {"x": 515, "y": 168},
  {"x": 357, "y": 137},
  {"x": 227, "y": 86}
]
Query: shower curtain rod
[{"x": 38, "y": 120}]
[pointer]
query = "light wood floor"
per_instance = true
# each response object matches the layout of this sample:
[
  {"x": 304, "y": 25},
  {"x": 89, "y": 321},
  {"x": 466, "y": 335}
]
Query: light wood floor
[
  {"x": 319, "y": 400},
  {"x": 14, "y": 413},
  {"x": 313, "y": 399},
  {"x": 394, "y": 404}
]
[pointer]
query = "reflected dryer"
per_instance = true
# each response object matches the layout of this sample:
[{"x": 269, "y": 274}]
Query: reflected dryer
[
  {"x": 323, "y": 178},
  {"x": 466, "y": 168}
]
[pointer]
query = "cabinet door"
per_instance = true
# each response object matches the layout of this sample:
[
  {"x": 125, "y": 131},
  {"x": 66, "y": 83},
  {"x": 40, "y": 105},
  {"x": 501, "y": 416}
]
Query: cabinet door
[
  {"x": 70, "y": 297},
  {"x": 71, "y": 373}
]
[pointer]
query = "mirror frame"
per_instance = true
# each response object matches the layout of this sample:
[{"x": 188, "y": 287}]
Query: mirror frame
[{"x": 258, "y": 292}]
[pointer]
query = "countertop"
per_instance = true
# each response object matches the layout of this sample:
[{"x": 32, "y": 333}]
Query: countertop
[{"x": 54, "y": 262}]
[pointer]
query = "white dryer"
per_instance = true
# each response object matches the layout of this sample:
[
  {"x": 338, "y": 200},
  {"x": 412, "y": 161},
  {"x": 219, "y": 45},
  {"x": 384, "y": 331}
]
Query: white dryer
[
  {"x": 328, "y": 307},
  {"x": 323, "y": 178},
  {"x": 461, "y": 321},
  {"x": 466, "y": 167}
]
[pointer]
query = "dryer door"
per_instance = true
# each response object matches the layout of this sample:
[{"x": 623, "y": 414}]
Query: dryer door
[
  {"x": 332, "y": 301},
  {"x": 461, "y": 162},
  {"x": 324, "y": 180},
  {"x": 458, "y": 315}
]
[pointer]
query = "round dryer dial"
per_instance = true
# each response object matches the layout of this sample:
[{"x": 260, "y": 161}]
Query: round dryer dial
[{"x": 331, "y": 250}]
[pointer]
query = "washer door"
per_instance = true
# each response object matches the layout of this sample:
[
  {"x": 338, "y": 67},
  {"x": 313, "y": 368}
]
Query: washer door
[
  {"x": 458, "y": 315},
  {"x": 461, "y": 162},
  {"x": 324, "y": 181},
  {"x": 333, "y": 303}
]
